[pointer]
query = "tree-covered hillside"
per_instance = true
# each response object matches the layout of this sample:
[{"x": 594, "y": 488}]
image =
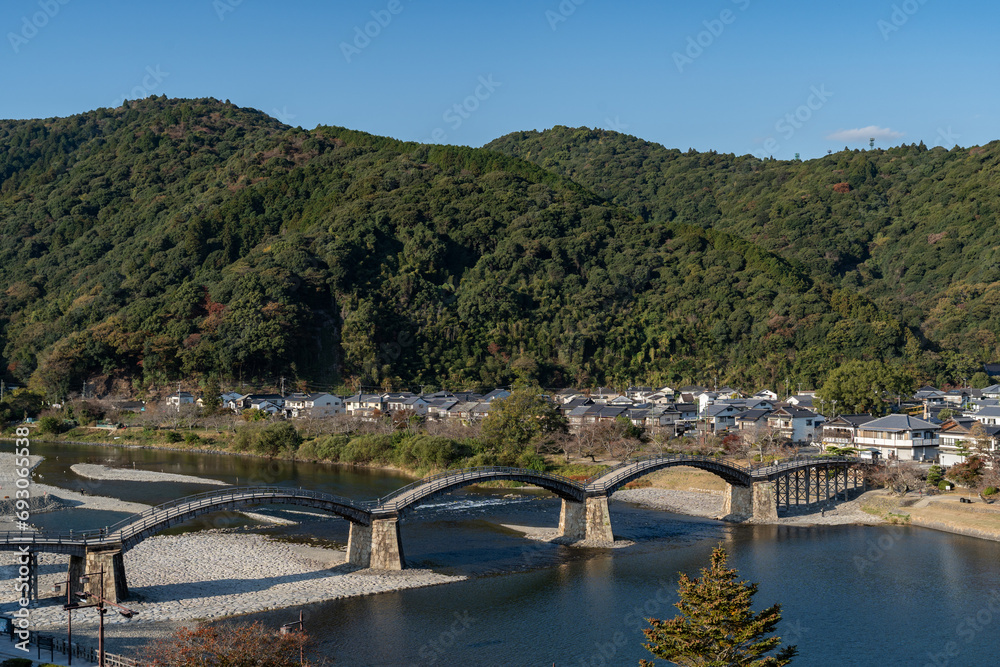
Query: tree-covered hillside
[
  {"x": 912, "y": 229},
  {"x": 181, "y": 239}
]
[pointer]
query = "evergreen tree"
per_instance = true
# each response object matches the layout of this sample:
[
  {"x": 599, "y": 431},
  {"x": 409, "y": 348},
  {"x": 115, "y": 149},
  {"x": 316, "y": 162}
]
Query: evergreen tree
[
  {"x": 716, "y": 626},
  {"x": 212, "y": 395}
]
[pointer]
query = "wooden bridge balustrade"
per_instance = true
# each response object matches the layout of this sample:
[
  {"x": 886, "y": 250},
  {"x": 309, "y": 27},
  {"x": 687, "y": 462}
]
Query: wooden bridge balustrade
[{"x": 375, "y": 540}]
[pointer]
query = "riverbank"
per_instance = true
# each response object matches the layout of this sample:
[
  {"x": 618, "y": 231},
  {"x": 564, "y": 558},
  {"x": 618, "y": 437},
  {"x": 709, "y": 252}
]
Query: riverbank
[
  {"x": 183, "y": 579},
  {"x": 709, "y": 505},
  {"x": 947, "y": 513}
]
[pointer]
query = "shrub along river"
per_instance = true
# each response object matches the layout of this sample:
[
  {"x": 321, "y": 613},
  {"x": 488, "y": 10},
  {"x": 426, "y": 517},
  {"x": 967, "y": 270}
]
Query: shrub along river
[{"x": 850, "y": 595}]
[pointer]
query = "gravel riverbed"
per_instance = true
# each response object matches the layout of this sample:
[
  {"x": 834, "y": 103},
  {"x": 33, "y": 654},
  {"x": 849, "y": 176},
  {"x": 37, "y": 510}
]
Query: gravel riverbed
[
  {"x": 94, "y": 471},
  {"x": 181, "y": 579}
]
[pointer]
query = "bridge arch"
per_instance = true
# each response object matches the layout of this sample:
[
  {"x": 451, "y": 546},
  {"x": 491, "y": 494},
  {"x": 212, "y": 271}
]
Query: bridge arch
[
  {"x": 418, "y": 492},
  {"x": 133, "y": 530},
  {"x": 619, "y": 476}
]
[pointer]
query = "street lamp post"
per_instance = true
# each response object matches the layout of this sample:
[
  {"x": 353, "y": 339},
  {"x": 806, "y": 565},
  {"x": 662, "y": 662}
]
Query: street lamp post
[
  {"x": 69, "y": 607},
  {"x": 99, "y": 603}
]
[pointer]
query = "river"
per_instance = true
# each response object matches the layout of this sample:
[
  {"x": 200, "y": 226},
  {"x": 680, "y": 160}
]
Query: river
[{"x": 850, "y": 595}]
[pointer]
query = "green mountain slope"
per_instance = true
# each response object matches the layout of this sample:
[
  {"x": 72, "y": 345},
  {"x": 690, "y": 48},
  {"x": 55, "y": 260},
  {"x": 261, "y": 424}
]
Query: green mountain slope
[
  {"x": 915, "y": 230},
  {"x": 184, "y": 238}
]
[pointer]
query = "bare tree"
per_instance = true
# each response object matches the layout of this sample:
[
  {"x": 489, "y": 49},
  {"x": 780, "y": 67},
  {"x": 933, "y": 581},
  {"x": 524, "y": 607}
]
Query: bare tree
[
  {"x": 589, "y": 441},
  {"x": 897, "y": 476},
  {"x": 759, "y": 440}
]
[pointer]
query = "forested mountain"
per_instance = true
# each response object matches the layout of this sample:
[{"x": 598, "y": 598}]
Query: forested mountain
[
  {"x": 181, "y": 239},
  {"x": 912, "y": 229}
]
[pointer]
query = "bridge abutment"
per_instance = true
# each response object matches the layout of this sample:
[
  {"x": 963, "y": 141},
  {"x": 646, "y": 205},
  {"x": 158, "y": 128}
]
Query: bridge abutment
[
  {"x": 377, "y": 546},
  {"x": 589, "y": 520},
  {"x": 765, "y": 504},
  {"x": 756, "y": 502},
  {"x": 599, "y": 520},
  {"x": 737, "y": 503},
  {"x": 359, "y": 545},
  {"x": 573, "y": 520},
  {"x": 109, "y": 559},
  {"x": 387, "y": 547}
]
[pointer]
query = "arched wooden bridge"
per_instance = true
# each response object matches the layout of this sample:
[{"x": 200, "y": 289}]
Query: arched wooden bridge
[{"x": 752, "y": 493}]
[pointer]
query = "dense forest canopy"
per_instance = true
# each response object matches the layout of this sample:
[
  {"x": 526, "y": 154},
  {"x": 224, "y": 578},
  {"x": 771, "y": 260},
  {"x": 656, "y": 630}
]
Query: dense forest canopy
[
  {"x": 170, "y": 240},
  {"x": 911, "y": 229}
]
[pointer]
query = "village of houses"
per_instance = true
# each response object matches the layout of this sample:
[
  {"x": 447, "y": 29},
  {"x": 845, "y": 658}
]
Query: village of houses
[{"x": 902, "y": 436}]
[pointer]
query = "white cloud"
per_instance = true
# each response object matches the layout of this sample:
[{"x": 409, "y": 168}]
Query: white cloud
[{"x": 864, "y": 134}]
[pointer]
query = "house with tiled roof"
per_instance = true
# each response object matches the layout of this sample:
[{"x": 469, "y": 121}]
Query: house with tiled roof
[
  {"x": 795, "y": 423},
  {"x": 841, "y": 430},
  {"x": 316, "y": 404},
  {"x": 901, "y": 437},
  {"x": 959, "y": 434}
]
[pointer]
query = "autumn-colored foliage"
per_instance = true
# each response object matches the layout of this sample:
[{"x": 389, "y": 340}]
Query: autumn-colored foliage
[
  {"x": 842, "y": 188},
  {"x": 243, "y": 645}
]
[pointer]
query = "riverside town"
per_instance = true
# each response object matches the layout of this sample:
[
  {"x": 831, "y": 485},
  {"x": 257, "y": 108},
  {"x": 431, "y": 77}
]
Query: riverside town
[{"x": 529, "y": 334}]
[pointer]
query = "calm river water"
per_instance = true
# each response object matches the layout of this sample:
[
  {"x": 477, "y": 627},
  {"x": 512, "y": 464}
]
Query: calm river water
[{"x": 850, "y": 595}]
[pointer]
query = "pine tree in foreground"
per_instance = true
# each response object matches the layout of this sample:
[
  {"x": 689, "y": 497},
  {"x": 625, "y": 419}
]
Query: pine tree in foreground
[{"x": 716, "y": 626}]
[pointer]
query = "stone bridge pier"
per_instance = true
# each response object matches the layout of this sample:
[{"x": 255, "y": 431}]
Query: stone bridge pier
[
  {"x": 589, "y": 520},
  {"x": 377, "y": 546},
  {"x": 750, "y": 503},
  {"x": 107, "y": 558}
]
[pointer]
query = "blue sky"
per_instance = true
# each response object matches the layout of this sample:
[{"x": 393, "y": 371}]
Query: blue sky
[{"x": 742, "y": 76}]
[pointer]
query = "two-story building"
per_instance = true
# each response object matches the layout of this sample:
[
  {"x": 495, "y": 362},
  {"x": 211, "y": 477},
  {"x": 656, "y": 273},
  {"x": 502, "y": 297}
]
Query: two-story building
[
  {"x": 364, "y": 405},
  {"x": 841, "y": 431},
  {"x": 313, "y": 405},
  {"x": 900, "y": 437},
  {"x": 795, "y": 424},
  {"x": 179, "y": 399},
  {"x": 959, "y": 436}
]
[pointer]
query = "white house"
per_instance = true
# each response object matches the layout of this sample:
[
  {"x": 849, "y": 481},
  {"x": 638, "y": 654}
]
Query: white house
[
  {"x": 841, "y": 431},
  {"x": 720, "y": 417},
  {"x": 989, "y": 416},
  {"x": 956, "y": 434},
  {"x": 364, "y": 405},
  {"x": 796, "y": 424},
  {"x": 900, "y": 436},
  {"x": 415, "y": 403},
  {"x": 313, "y": 405},
  {"x": 180, "y": 398},
  {"x": 264, "y": 405}
]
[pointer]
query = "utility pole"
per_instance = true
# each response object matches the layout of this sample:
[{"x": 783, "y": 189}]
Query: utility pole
[
  {"x": 3, "y": 386},
  {"x": 178, "y": 397},
  {"x": 282, "y": 386}
]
